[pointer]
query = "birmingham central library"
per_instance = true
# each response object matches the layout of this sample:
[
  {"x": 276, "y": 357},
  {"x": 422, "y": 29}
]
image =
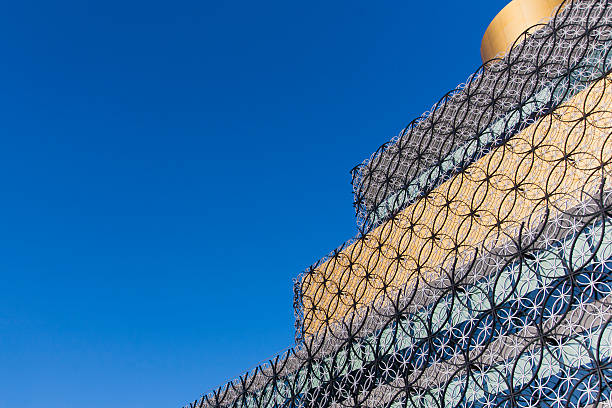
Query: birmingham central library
[{"x": 481, "y": 275}]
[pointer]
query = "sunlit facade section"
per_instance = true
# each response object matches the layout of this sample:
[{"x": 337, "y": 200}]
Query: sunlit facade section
[
  {"x": 481, "y": 273},
  {"x": 540, "y": 169}
]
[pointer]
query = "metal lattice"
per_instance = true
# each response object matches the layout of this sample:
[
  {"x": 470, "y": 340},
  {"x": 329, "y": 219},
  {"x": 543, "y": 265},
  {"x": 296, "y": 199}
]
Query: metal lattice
[
  {"x": 496, "y": 102},
  {"x": 482, "y": 274}
]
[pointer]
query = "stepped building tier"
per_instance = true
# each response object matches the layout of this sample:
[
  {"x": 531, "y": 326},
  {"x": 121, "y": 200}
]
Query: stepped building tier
[{"x": 481, "y": 275}]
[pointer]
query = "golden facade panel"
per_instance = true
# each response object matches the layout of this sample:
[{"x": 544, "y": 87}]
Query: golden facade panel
[{"x": 483, "y": 205}]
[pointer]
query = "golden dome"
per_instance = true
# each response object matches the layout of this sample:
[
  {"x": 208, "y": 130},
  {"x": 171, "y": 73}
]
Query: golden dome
[{"x": 511, "y": 21}]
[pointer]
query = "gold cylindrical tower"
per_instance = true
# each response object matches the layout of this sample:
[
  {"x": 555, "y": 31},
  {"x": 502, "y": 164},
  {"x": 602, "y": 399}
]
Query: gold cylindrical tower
[{"x": 511, "y": 21}]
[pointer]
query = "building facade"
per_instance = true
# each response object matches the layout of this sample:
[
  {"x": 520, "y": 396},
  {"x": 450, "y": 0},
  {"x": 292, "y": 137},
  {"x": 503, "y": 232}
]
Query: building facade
[{"x": 481, "y": 275}]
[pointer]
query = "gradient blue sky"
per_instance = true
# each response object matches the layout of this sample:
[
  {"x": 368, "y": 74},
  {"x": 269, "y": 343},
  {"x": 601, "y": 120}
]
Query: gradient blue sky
[{"x": 167, "y": 168}]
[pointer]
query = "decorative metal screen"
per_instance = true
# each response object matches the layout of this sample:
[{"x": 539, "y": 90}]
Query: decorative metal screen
[
  {"x": 482, "y": 273},
  {"x": 497, "y": 101}
]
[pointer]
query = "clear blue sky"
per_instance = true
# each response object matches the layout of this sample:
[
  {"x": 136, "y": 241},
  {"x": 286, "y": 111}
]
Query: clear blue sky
[{"x": 167, "y": 168}]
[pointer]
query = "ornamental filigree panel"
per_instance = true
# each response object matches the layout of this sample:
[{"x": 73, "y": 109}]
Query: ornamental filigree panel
[
  {"x": 542, "y": 71},
  {"x": 482, "y": 207},
  {"x": 528, "y": 323},
  {"x": 482, "y": 272}
]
